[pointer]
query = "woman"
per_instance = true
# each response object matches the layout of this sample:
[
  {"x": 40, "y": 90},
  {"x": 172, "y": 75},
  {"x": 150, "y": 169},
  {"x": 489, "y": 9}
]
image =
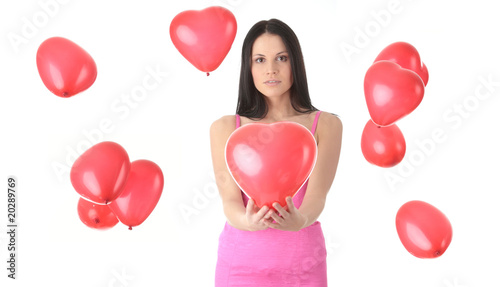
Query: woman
[{"x": 259, "y": 246}]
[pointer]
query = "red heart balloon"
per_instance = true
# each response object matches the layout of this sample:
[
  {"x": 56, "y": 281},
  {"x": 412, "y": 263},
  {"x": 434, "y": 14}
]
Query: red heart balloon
[
  {"x": 140, "y": 194},
  {"x": 407, "y": 57},
  {"x": 65, "y": 68},
  {"x": 423, "y": 229},
  {"x": 270, "y": 161},
  {"x": 100, "y": 173},
  {"x": 391, "y": 92},
  {"x": 204, "y": 37},
  {"x": 383, "y": 146},
  {"x": 95, "y": 215}
]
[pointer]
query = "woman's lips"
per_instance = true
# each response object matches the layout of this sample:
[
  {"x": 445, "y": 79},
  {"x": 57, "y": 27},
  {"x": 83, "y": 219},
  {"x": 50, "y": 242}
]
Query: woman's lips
[{"x": 272, "y": 82}]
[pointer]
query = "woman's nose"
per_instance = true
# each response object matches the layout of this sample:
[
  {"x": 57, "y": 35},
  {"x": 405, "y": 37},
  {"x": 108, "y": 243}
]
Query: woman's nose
[{"x": 272, "y": 68}]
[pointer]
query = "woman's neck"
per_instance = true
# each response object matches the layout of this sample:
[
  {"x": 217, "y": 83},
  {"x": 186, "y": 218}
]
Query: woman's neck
[{"x": 279, "y": 109}]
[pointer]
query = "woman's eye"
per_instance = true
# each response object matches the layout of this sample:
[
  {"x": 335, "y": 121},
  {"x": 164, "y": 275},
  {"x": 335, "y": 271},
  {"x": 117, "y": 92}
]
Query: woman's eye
[
  {"x": 259, "y": 60},
  {"x": 282, "y": 58}
]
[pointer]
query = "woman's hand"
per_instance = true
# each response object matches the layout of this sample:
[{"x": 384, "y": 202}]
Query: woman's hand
[
  {"x": 290, "y": 220},
  {"x": 257, "y": 219}
]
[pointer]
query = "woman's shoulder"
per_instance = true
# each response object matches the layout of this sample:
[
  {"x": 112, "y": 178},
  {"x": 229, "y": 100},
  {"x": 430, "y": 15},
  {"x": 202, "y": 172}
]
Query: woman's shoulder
[
  {"x": 330, "y": 117},
  {"x": 224, "y": 124},
  {"x": 329, "y": 121}
]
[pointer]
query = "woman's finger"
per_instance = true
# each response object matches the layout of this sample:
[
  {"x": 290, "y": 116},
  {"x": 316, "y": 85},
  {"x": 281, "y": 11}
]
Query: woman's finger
[
  {"x": 249, "y": 206},
  {"x": 280, "y": 220},
  {"x": 269, "y": 213},
  {"x": 290, "y": 205},
  {"x": 266, "y": 220},
  {"x": 262, "y": 212},
  {"x": 274, "y": 225},
  {"x": 281, "y": 210}
]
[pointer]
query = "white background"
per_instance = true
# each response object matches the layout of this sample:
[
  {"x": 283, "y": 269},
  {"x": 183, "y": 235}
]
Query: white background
[{"x": 458, "y": 41}]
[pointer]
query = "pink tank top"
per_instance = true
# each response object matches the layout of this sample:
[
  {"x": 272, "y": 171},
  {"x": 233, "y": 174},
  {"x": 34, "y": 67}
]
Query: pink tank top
[
  {"x": 272, "y": 257},
  {"x": 299, "y": 196}
]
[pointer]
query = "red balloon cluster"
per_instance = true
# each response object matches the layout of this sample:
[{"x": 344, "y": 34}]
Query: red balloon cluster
[
  {"x": 112, "y": 188},
  {"x": 423, "y": 229},
  {"x": 271, "y": 161},
  {"x": 394, "y": 87},
  {"x": 204, "y": 37},
  {"x": 65, "y": 68}
]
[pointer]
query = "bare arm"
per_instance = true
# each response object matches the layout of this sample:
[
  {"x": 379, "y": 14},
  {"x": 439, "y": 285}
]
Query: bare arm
[
  {"x": 249, "y": 218},
  {"x": 321, "y": 179}
]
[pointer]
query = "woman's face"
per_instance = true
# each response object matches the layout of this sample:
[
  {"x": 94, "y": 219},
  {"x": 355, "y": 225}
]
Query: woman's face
[{"x": 271, "y": 70}]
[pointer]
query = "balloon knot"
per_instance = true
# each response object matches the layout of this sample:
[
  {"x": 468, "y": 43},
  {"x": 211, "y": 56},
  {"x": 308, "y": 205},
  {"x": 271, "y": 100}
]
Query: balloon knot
[
  {"x": 65, "y": 94},
  {"x": 130, "y": 228},
  {"x": 97, "y": 221},
  {"x": 208, "y": 74}
]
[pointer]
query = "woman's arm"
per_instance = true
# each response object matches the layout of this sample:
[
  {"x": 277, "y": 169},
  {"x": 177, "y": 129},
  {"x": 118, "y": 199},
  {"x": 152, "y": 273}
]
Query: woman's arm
[
  {"x": 329, "y": 142},
  {"x": 249, "y": 218}
]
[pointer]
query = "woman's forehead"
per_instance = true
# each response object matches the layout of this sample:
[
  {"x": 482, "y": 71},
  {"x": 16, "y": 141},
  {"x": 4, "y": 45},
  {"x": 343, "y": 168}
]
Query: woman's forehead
[{"x": 268, "y": 44}]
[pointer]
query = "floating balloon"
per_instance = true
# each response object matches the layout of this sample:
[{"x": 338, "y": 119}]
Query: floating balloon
[
  {"x": 424, "y": 230},
  {"x": 406, "y": 56},
  {"x": 383, "y": 146},
  {"x": 391, "y": 92},
  {"x": 271, "y": 161},
  {"x": 65, "y": 68},
  {"x": 204, "y": 37},
  {"x": 100, "y": 173},
  {"x": 140, "y": 194},
  {"x": 95, "y": 215}
]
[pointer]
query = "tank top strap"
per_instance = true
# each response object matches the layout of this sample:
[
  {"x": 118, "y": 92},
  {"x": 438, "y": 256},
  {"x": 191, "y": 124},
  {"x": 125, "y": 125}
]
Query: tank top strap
[
  {"x": 237, "y": 121},
  {"x": 315, "y": 122},
  {"x": 243, "y": 195}
]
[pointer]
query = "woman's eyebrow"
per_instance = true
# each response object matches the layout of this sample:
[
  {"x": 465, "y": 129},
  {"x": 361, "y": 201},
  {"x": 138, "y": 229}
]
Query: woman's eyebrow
[{"x": 261, "y": 55}]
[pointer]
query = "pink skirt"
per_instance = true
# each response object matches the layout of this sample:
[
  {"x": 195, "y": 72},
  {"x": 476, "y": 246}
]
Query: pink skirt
[{"x": 271, "y": 257}]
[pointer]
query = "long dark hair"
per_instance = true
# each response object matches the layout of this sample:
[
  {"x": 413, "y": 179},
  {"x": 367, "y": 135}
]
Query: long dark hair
[{"x": 251, "y": 103}]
